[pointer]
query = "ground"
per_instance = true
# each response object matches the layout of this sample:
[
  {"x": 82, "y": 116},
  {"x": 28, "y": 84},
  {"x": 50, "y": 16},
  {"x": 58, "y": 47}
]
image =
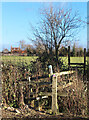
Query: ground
[{"x": 32, "y": 114}]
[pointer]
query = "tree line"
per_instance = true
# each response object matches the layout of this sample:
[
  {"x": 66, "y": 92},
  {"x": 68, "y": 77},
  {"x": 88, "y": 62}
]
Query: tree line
[{"x": 63, "y": 50}]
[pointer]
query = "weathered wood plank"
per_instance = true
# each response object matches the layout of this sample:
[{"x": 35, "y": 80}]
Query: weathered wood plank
[
  {"x": 54, "y": 95},
  {"x": 77, "y": 67},
  {"x": 45, "y": 93},
  {"x": 64, "y": 86},
  {"x": 76, "y": 63},
  {"x": 64, "y": 73}
]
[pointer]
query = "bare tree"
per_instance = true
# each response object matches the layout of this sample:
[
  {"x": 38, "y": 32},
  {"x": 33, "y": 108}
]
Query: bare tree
[
  {"x": 56, "y": 26},
  {"x": 22, "y": 44}
]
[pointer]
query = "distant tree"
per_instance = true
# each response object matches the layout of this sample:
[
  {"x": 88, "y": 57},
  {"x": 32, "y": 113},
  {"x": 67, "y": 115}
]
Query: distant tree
[
  {"x": 77, "y": 54},
  {"x": 77, "y": 51},
  {"x": 5, "y": 50},
  {"x": 29, "y": 49},
  {"x": 28, "y": 52},
  {"x": 22, "y": 44},
  {"x": 81, "y": 51},
  {"x": 88, "y": 52},
  {"x": 73, "y": 53}
]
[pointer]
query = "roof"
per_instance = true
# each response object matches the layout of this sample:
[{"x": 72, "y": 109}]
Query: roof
[{"x": 5, "y": 51}]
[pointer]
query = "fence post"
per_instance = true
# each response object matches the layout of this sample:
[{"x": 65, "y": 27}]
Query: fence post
[
  {"x": 68, "y": 57},
  {"x": 84, "y": 62},
  {"x": 88, "y": 85},
  {"x": 54, "y": 95},
  {"x": 29, "y": 84},
  {"x": 50, "y": 70},
  {"x": 21, "y": 95}
]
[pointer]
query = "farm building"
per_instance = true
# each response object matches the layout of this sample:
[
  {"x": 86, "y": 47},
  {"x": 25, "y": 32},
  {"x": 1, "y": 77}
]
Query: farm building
[
  {"x": 5, "y": 51},
  {"x": 18, "y": 51},
  {"x": 15, "y": 50}
]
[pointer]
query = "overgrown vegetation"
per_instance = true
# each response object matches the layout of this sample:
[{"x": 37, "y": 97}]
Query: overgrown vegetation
[{"x": 15, "y": 91}]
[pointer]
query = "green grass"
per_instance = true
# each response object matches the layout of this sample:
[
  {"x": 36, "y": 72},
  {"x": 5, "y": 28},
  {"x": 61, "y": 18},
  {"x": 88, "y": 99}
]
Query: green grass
[
  {"x": 28, "y": 59},
  {"x": 16, "y": 59},
  {"x": 74, "y": 59}
]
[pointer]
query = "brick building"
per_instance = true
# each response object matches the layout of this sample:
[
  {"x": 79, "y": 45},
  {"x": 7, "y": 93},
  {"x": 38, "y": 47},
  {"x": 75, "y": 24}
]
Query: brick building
[{"x": 17, "y": 50}]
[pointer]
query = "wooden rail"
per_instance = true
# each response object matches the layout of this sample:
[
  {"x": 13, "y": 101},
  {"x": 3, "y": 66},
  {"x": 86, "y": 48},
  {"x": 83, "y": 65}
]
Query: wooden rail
[
  {"x": 64, "y": 73},
  {"x": 76, "y": 63}
]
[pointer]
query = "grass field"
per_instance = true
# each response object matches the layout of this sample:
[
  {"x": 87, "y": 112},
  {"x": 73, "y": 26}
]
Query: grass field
[
  {"x": 27, "y": 59},
  {"x": 16, "y": 59},
  {"x": 73, "y": 59},
  {"x": 31, "y": 58}
]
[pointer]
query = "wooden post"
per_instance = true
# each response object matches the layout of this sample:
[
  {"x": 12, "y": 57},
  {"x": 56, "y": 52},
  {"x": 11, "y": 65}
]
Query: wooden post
[
  {"x": 84, "y": 62},
  {"x": 21, "y": 95},
  {"x": 88, "y": 90},
  {"x": 88, "y": 85},
  {"x": 50, "y": 70},
  {"x": 54, "y": 95},
  {"x": 68, "y": 57},
  {"x": 1, "y": 85},
  {"x": 29, "y": 80}
]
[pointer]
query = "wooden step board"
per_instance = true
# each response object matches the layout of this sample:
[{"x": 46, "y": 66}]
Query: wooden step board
[{"x": 64, "y": 73}]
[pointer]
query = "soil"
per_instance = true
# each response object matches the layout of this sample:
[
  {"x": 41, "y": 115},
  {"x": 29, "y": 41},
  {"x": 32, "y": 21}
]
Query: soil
[
  {"x": 23, "y": 113},
  {"x": 31, "y": 114}
]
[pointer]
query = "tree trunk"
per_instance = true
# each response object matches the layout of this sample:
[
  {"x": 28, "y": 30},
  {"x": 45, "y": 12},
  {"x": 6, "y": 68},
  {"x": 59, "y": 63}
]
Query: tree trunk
[{"x": 57, "y": 62}]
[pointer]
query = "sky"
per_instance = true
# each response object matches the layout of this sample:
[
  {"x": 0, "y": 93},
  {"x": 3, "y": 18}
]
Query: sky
[
  {"x": 88, "y": 25},
  {"x": 17, "y": 17}
]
